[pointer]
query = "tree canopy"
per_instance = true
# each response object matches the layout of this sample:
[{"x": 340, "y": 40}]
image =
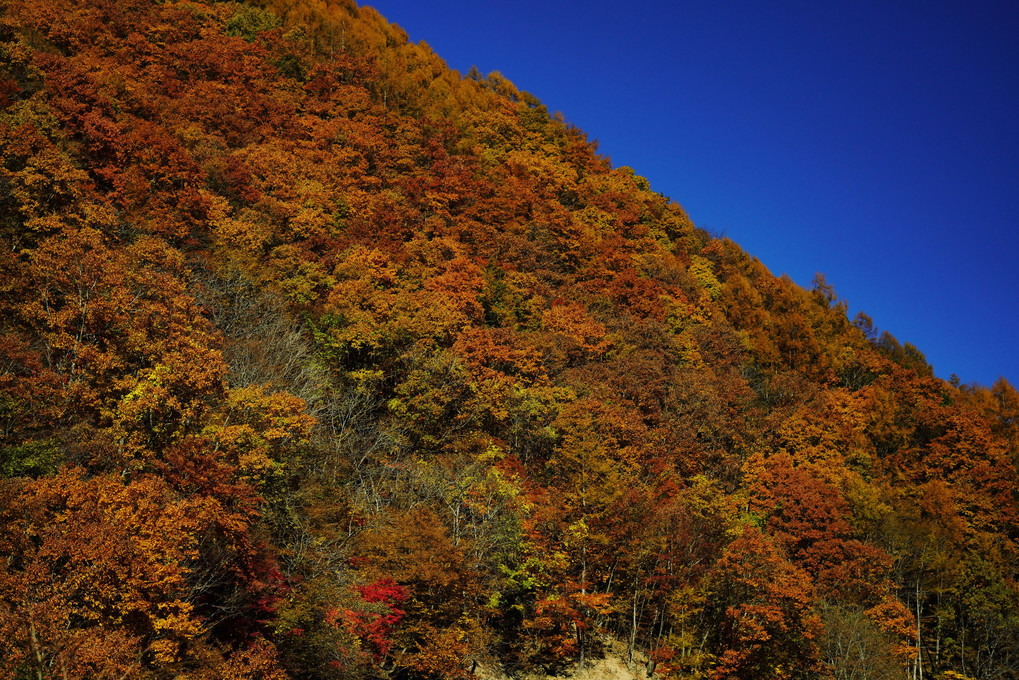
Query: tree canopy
[{"x": 321, "y": 360}]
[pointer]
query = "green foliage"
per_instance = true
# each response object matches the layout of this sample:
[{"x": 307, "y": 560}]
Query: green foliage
[
  {"x": 249, "y": 21},
  {"x": 31, "y": 459},
  {"x": 906, "y": 355}
]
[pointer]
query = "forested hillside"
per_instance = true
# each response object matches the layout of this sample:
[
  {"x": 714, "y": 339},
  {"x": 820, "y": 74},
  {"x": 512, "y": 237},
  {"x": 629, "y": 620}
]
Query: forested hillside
[{"x": 319, "y": 360}]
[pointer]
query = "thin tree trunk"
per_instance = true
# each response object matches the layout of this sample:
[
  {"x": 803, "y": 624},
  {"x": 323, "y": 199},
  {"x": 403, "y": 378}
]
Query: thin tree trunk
[
  {"x": 633, "y": 631},
  {"x": 35, "y": 648},
  {"x": 919, "y": 648}
]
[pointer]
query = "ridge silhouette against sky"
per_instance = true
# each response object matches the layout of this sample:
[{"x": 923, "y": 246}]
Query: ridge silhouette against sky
[{"x": 875, "y": 142}]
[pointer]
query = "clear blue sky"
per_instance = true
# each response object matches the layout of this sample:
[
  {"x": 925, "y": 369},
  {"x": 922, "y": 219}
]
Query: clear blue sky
[{"x": 876, "y": 142}]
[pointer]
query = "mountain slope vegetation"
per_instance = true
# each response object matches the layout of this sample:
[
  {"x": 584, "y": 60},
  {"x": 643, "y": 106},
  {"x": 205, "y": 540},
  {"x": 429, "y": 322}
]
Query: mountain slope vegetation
[{"x": 319, "y": 360}]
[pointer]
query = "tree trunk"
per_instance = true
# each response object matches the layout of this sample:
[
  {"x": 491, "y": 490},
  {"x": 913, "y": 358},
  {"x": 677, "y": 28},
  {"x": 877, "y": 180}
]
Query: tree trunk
[{"x": 919, "y": 649}]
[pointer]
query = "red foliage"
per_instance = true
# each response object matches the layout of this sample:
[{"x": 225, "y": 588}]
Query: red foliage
[{"x": 374, "y": 626}]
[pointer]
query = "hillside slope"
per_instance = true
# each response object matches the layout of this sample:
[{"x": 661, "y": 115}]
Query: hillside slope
[{"x": 320, "y": 360}]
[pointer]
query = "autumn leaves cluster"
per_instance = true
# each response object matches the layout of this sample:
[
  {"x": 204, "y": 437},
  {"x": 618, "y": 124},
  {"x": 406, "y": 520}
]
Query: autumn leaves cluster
[{"x": 319, "y": 360}]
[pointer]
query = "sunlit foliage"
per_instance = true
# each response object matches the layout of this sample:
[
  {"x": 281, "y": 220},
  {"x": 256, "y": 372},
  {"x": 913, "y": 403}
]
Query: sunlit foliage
[{"x": 321, "y": 360}]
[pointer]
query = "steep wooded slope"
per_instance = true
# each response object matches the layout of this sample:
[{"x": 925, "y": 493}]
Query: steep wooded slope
[{"x": 321, "y": 361}]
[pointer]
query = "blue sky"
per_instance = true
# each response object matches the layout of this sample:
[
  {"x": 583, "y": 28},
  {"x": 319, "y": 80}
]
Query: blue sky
[{"x": 875, "y": 142}]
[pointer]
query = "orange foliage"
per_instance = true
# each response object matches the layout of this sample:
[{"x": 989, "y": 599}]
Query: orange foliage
[{"x": 533, "y": 407}]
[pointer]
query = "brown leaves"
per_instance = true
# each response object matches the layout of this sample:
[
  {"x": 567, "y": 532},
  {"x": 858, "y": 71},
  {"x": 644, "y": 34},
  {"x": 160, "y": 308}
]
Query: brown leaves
[
  {"x": 766, "y": 627},
  {"x": 574, "y": 333},
  {"x": 442, "y": 626},
  {"x": 93, "y": 558}
]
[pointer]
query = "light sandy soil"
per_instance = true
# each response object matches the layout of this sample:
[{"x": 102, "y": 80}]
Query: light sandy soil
[{"x": 612, "y": 667}]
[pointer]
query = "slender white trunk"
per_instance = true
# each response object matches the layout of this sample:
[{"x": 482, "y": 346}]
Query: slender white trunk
[
  {"x": 633, "y": 630},
  {"x": 919, "y": 649}
]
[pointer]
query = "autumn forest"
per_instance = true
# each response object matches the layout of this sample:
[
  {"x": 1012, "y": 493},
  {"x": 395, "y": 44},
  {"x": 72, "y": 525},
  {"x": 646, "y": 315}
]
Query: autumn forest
[{"x": 322, "y": 361}]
